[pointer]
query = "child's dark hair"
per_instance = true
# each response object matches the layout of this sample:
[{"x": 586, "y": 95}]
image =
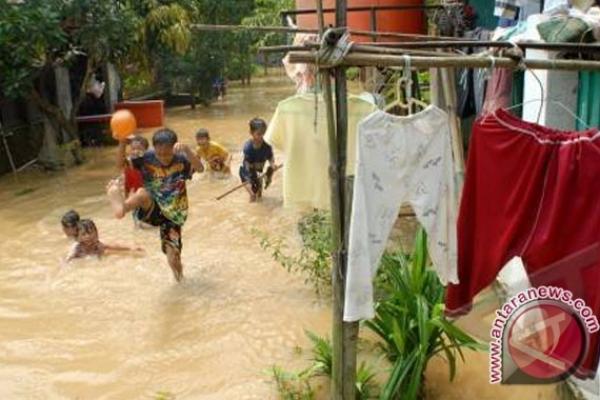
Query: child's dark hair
[
  {"x": 141, "y": 140},
  {"x": 164, "y": 136},
  {"x": 258, "y": 125},
  {"x": 202, "y": 133},
  {"x": 70, "y": 219},
  {"x": 86, "y": 225}
]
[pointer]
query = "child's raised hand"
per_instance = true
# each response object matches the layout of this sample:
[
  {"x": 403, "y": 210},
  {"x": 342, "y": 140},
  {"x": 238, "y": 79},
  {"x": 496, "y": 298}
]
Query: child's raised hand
[{"x": 181, "y": 148}]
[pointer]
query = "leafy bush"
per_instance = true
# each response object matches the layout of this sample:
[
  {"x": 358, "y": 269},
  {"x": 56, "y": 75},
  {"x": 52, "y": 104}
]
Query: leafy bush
[
  {"x": 314, "y": 259},
  {"x": 411, "y": 324},
  {"x": 296, "y": 386}
]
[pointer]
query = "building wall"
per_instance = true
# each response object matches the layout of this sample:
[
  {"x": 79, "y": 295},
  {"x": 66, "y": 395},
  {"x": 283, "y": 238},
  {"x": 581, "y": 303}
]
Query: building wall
[{"x": 25, "y": 124}]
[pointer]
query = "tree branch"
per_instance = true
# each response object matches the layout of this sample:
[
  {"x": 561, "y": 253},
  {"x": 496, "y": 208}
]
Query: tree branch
[
  {"x": 49, "y": 109},
  {"x": 90, "y": 67}
]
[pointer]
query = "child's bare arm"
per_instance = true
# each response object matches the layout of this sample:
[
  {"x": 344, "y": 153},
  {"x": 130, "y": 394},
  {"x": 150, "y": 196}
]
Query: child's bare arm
[
  {"x": 117, "y": 248},
  {"x": 190, "y": 155},
  {"x": 122, "y": 154}
]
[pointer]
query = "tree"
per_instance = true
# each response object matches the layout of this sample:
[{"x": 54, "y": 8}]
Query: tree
[{"x": 36, "y": 36}]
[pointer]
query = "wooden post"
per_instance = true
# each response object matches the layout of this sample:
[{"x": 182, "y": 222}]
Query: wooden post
[
  {"x": 350, "y": 329},
  {"x": 373, "y": 22},
  {"x": 449, "y": 88},
  {"x": 8, "y": 152}
]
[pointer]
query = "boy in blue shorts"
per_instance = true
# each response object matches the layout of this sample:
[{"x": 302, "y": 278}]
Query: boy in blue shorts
[
  {"x": 163, "y": 200},
  {"x": 256, "y": 153}
]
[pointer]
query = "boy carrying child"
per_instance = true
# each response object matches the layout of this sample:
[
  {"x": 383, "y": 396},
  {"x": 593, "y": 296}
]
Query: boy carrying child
[{"x": 163, "y": 200}]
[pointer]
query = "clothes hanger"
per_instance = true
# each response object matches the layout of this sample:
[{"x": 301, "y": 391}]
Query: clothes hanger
[
  {"x": 411, "y": 101},
  {"x": 397, "y": 94},
  {"x": 555, "y": 102},
  {"x": 407, "y": 82}
]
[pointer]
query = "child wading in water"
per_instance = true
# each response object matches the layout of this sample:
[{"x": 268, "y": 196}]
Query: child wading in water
[
  {"x": 163, "y": 200},
  {"x": 88, "y": 243},
  {"x": 216, "y": 156},
  {"x": 256, "y": 153},
  {"x": 69, "y": 223}
]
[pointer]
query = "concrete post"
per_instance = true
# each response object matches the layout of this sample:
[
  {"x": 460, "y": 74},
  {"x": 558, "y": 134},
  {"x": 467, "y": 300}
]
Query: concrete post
[
  {"x": 558, "y": 86},
  {"x": 113, "y": 84}
]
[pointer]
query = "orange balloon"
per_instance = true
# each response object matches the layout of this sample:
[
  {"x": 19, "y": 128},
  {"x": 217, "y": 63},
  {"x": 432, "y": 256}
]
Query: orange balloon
[{"x": 122, "y": 124}]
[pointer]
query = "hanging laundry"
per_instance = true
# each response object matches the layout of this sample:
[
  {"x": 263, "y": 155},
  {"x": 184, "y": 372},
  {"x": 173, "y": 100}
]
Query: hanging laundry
[
  {"x": 306, "y": 169},
  {"x": 507, "y": 9},
  {"x": 532, "y": 192},
  {"x": 498, "y": 93},
  {"x": 304, "y": 75},
  {"x": 471, "y": 82},
  {"x": 400, "y": 159}
]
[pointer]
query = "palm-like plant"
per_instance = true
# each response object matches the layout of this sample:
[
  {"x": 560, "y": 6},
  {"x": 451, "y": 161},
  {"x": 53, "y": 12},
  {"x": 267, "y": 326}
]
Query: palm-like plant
[{"x": 410, "y": 321}]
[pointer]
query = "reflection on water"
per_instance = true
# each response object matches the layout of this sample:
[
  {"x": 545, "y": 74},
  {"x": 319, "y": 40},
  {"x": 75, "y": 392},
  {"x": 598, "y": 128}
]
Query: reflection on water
[{"x": 119, "y": 328}]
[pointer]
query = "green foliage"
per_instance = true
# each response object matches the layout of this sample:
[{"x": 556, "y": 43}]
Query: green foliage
[
  {"x": 37, "y": 24},
  {"x": 291, "y": 386},
  {"x": 566, "y": 390},
  {"x": 314, "y": 259},
  {"x": 162, "y": 395},
  {"x": 296, "y": 386},
  {"x": 410, "y": 322},
  {"x": 36, "y": 35},
  {"x": 267, "y": 13}
]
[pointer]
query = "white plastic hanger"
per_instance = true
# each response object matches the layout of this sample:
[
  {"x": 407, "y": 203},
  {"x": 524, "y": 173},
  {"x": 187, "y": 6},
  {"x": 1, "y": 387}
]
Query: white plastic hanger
[{"x": 406, "y": 81}]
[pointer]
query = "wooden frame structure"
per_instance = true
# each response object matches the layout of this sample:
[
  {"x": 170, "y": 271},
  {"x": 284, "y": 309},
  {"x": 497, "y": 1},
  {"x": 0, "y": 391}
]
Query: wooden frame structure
[{"x": 345, "y": 334}]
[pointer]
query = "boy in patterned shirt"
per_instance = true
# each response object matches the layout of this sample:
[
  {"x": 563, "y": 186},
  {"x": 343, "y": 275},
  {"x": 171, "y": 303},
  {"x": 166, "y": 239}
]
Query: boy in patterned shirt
[{"x": 163, "y": 200}]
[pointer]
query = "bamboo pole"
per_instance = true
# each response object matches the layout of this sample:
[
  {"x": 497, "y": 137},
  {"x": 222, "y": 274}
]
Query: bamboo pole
[
  {"x": 449, "y": 89},
  {"x": 283, "y": 29},
  {"x": 337, "y": 236},
  {"x": 356, "y": 47},
  {"x": 238, "y": 28},
  {"x": 416, "y": 40},
  {"x": 363, "y": 8},
  {"x": 457, "y": 43},
  {"x": 361, "y": 59}
]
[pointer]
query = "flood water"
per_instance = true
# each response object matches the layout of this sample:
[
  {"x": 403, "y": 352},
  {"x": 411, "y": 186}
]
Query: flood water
[{"x": 120, "y": 328}]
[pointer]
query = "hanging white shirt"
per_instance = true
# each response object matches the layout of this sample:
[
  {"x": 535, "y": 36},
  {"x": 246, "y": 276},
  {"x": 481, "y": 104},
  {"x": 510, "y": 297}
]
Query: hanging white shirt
[
  {"x": 306, "y": 168},
  {"x": 400, "y": 159}
]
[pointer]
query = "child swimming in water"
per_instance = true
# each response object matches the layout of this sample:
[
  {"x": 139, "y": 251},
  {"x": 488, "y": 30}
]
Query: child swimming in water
[
  {"x": 69, "y": 223},
  {"x": 88, "y": 243}
]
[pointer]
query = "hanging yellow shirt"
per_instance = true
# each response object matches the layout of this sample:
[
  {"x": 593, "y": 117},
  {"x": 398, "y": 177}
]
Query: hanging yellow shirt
[
  {"x": 306, "y": 168},
  {"x": 212, "y": 151}
]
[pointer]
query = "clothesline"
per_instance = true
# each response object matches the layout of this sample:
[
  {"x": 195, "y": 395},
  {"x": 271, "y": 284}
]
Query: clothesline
[
  {"x": 384, "y": 60},
  {"x": 284, "y": 29},
  {"x": 416, "y": 40},
  {"x": 437, "y": 44}
]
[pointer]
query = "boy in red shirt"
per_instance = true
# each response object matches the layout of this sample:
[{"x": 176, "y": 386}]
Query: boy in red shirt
[{"x": 133, "y": 179}]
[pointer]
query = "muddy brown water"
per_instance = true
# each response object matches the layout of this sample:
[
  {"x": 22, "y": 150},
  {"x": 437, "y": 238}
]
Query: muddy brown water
[{"x": 120, "y": 328}]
